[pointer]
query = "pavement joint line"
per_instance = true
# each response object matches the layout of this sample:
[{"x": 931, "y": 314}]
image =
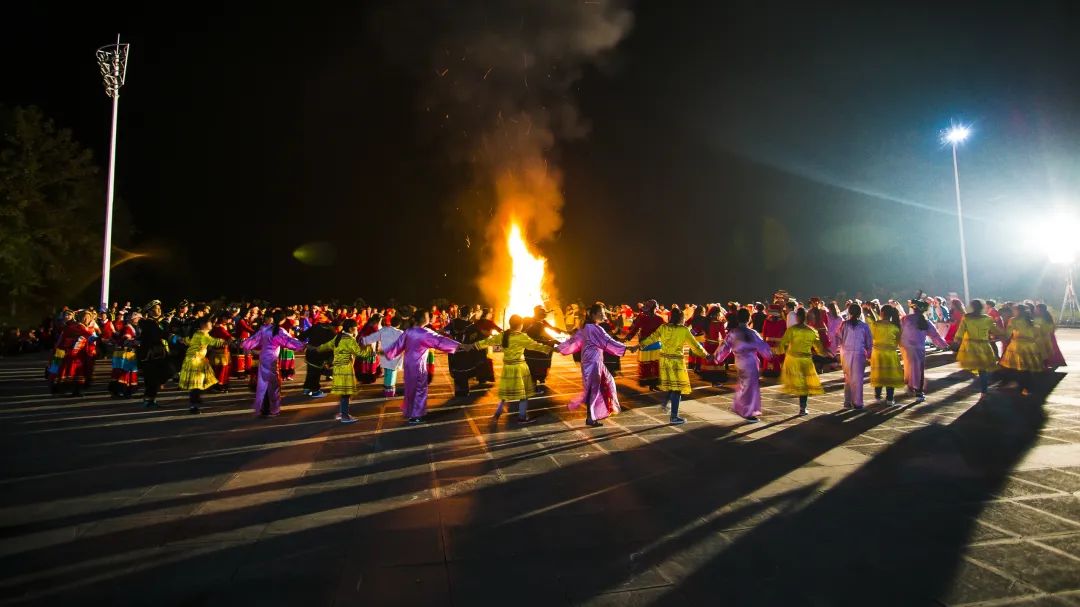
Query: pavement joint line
[
  {"x": 1072, "y": 522},
  {"x": 483, "y": 444},
  {"x": 659, "y": 444},
  {"x": 1053, "y": 549},
  {"x": 1015, "y": 600},
  {"x": 1011, "y": 578},
  {"x": 590, "y": 440}
]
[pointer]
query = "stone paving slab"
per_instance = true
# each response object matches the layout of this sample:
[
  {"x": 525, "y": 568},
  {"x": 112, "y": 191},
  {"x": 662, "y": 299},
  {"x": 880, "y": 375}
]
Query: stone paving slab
[{"x": 960, "y": 501}]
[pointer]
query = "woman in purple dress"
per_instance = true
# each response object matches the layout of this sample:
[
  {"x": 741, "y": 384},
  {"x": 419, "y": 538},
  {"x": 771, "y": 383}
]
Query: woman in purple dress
[
  {"x": 592, "y": 341},
  {"x": 747, "y": 346},
  {"x": 915, "y": 329},
  {"x": 414, "y": 344},
  {"x": 269, "y": 341},
  {"x": 856, "y": 343}
]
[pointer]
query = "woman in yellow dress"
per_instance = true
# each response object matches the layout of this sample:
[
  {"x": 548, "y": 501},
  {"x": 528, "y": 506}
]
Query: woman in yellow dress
[
  {"x": 885, "y": 369},
  {"x": 975, "y": 353},
  {"x": 674, "y": 379},
  {"x": 1025, "y": 354},
  {"x": 798, "y": 375},
  {"x": 516, "y": 383},
  {"x": 347, "y": 350},
  {"x": 196, "y": 374}
]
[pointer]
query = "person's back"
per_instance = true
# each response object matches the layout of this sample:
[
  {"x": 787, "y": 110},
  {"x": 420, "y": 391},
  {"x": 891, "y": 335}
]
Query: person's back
[{"x": 885, "y": 334}]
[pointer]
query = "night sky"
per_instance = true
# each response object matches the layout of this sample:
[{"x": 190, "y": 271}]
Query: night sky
[{"x": 733, "y": 148}]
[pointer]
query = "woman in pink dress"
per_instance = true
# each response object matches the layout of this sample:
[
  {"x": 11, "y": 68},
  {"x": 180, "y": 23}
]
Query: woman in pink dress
[
  {"x": 748, "y": 347},
  {"x": 593, "y": 342},
  {"x": 414, "y": 345},
  {"x": 269, "y": 341}
]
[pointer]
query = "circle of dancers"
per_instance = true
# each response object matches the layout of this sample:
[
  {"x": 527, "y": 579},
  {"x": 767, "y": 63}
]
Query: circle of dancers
[{"x": 202, "y": 349}]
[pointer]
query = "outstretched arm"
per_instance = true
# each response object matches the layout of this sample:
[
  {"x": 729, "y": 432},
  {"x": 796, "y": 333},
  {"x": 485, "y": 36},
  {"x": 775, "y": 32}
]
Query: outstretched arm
[
  {"x": 610, "y": 345},
  {"x": 572, "y": 345},
  {"x": 695, "y": 347},
  {"x": 935, "y": 336}
]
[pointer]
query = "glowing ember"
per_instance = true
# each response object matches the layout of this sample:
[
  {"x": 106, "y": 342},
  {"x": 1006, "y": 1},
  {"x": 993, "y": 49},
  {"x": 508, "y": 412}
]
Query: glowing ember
[{"x": 527, "y": 275}]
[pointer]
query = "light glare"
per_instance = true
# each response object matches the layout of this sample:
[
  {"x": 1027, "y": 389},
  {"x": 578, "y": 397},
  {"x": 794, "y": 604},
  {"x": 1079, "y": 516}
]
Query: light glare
[
  {"x": 957, "y": 134},
  {"x": 1059, "y": 238}
]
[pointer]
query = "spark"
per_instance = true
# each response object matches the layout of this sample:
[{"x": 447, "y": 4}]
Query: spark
[{"x": 487, "y": 72}]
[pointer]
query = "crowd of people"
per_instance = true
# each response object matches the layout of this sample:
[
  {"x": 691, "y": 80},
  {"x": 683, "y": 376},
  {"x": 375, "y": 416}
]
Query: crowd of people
[{"x": 204, "y": 348}]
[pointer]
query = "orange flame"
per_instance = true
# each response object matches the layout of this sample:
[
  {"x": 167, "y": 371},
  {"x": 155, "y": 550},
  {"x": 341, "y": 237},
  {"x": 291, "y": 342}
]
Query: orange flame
[{"x": 526, "y": 276}]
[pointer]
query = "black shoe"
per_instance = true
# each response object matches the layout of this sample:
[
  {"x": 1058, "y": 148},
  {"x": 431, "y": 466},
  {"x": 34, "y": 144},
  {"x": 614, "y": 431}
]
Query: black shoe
[
  {"x": 593, "y": 423},
  {"x": 526, "y": 421},
  {"x": 413, "y": 421},
  {"x": 194, "y": 410}
]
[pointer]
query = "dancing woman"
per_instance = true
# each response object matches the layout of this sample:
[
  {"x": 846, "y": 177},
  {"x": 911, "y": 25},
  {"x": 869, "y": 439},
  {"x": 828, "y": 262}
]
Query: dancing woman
[
  {"x": 856, "y": 343},
  {"x": 517, "y": 383},
  {"x": 197, "y": 374},
  {"x": 269, "y": 340},
  {"x": 414, "y": 345},
  {"x": 975, "y": 353},
  {"x": 674, "y": 379},
  {"x": 915, "y": 329},
  {"x": 72, "y": 355},
  {"x": 885, "y": 369},
  {"x": 125, "y": 364},
  {"x": 219, "y": 357},
  {"x": 593, "y": 342},
  {"x": 649, "y": 360},
  {"x": 798, "y": 375},
  {"x": 956, "y": 316},
  {"x": 346, "y": 352},
  {"x": 287, "y": 356},
  {"x": 1025, "y": 355},
  {"x": 713, "y": 371},
  {"x": 1047, "y": 338},
  {"x": 367, "y": 363},
  {"x": 747, "y": 346}
]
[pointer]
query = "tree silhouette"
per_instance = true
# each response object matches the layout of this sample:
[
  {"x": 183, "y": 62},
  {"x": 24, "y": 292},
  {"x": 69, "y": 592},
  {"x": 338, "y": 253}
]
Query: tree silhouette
[{"x": 50, "y": 209}]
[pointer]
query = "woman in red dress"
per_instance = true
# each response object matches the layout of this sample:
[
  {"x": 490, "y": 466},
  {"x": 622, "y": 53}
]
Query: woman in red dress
[
  {"x": 956, "y": 314},
  {"x": 366, "y": 366},
  {"x": 73, "y": 354},
  {"x": 219, "y": 357},
  {"x": 714, "y": 371}
]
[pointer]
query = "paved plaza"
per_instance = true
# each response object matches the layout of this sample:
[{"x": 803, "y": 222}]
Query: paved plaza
[{"x": 958, "y": 501}]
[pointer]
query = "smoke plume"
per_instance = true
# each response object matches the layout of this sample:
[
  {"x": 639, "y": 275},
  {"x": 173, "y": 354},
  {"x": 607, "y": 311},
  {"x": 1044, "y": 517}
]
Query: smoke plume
[{"x": 497, "y": 77}]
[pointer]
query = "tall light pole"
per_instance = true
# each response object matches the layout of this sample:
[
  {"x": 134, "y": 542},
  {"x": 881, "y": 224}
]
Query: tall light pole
[
  {"x": 954, "y": 137},
  {"x": 112, "y": 60}
]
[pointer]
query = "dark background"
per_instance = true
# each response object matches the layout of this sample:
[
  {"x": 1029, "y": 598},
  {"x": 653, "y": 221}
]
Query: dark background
[{"x": 733, "y": 150}]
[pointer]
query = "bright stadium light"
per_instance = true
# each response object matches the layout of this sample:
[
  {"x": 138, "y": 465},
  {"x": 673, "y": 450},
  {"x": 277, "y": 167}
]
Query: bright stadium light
[
  {"x": 953, "y": 137},
  {"x": 956, "y": 134}
]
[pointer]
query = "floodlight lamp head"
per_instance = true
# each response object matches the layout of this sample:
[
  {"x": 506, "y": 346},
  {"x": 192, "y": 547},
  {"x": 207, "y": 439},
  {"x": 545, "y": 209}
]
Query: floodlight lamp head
[{"x": 956, "y": 134}]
